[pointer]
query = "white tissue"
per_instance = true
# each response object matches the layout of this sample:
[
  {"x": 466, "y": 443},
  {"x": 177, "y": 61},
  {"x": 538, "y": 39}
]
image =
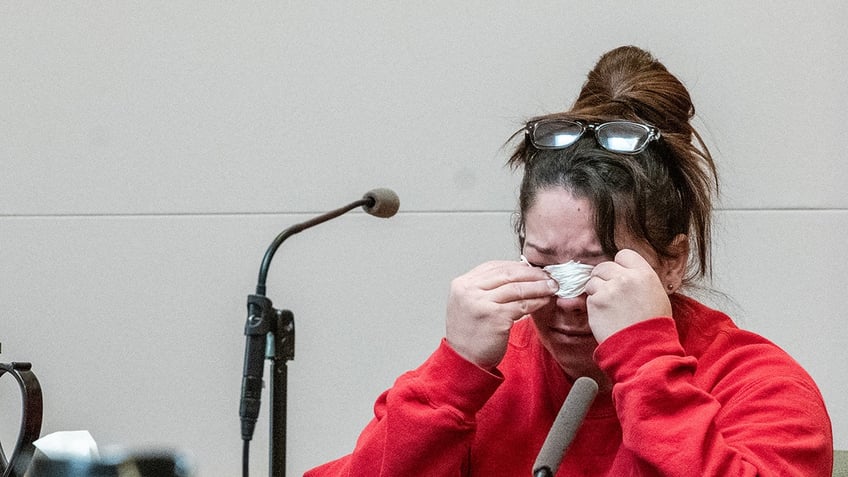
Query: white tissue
[
  {"x": 78, "y": 445},
  {"x": 571, "y": 276}
]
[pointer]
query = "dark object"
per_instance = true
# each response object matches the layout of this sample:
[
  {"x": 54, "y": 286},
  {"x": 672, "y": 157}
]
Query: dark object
[
  {"x": 31, "y": 404},
  {"x": 139, "y": 464}
]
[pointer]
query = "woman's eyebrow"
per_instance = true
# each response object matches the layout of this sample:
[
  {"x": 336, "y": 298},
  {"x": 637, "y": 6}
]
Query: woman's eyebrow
[
  {"x": 582, "y": 255},
  {"x": 542, "y": 250}
]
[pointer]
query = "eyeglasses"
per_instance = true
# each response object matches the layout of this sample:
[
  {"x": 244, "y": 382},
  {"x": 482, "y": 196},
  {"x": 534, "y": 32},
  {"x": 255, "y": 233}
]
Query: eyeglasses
[{"x": 625, "y": 137}]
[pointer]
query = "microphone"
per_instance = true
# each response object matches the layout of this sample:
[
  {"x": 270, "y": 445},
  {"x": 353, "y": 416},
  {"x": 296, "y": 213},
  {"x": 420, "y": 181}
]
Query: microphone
[
  {"x": 380, "y": 202},
  {"x": 383, "y": 203},
  {"x": 565, "y": 426}
]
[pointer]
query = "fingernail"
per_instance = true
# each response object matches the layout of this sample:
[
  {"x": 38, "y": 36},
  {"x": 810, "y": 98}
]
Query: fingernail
[{"x": 553, "y": 285}]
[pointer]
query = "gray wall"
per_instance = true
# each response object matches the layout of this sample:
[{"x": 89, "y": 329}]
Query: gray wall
[{"x": 151, "y": 151}]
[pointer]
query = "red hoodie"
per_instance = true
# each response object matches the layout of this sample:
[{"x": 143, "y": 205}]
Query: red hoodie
[{"x": 694, "y": 396}]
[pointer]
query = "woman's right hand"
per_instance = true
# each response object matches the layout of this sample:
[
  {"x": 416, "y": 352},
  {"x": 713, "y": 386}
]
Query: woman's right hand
[{"x": 484, "y": 303}]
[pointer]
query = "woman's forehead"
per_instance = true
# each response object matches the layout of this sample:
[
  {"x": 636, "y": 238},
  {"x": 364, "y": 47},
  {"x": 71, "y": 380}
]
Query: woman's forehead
[{"x": 559, "y": 224}]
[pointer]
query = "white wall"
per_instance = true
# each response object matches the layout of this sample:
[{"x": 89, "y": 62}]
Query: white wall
[{"x": 151, "y": 151}]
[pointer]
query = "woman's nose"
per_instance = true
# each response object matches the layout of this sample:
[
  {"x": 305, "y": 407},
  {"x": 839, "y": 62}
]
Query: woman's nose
[{"x": 572, "y": 306}]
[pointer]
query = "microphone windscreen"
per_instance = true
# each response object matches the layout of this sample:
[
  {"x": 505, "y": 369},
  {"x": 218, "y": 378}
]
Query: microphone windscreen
[
  {"x": 566, "y": 424},
  {"x": 384, "y": 202}
]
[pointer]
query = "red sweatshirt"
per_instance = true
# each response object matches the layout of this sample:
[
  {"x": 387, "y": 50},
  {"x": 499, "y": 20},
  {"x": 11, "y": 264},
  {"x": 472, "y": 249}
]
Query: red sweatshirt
[{"x": 693, "y": 396}]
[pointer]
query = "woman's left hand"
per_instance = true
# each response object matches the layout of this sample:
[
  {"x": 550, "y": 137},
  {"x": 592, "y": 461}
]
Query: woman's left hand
[{"x": 622, "y": 293}]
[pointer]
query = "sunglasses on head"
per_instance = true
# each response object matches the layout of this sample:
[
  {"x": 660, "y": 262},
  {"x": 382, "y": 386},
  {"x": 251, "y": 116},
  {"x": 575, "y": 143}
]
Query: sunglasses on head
[{"x": 624, "y": 137}]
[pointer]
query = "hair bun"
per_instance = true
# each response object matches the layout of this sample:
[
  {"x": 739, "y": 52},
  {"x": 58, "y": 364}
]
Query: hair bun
[{"x": 630, "y": 83}]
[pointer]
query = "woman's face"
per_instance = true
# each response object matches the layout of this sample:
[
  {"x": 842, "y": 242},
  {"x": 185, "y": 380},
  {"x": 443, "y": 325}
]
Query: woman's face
[{"x": 560, "y": 227}]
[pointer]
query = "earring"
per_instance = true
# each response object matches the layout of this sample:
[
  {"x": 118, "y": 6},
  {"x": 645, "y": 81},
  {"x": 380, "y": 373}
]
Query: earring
[{"x": 670, "y": 287}]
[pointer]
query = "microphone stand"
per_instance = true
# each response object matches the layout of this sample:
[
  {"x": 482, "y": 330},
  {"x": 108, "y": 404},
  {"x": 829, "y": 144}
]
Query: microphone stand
[{"x": 278, "y": 325}]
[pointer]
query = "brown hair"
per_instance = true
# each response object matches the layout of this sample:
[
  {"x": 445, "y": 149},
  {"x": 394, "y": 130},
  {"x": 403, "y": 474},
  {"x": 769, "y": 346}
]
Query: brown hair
[{"x": 665, "y": 190}]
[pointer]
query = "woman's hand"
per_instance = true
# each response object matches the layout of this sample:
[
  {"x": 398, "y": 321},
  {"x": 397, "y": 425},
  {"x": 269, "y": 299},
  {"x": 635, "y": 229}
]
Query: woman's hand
[
  {"x": 622, "y": 293},
  {"x": 485, "y": 302}
]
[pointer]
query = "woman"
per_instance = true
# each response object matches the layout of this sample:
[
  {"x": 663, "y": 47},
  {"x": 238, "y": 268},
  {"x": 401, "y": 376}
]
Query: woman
[{"x": 615, "y": 183}]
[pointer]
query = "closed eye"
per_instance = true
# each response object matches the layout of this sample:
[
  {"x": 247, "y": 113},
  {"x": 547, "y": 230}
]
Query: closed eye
[{"x": 528, "y": 262}]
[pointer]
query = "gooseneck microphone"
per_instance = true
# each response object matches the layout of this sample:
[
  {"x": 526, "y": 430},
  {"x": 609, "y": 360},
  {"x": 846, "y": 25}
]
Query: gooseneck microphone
[
  {"x": 565, "y": 426},
  {"x": 264, "y": 321},
  {"x": 380, "y": 202}
]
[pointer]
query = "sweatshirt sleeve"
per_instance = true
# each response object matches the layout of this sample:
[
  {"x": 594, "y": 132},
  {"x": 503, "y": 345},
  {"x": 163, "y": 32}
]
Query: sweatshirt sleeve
[
  {"x": 424, "y": 424},
  {"x": 743, "y": 409}
]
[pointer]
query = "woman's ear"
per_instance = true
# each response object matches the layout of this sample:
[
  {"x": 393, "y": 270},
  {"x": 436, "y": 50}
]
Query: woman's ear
[{"x": 674, "y": 266}]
